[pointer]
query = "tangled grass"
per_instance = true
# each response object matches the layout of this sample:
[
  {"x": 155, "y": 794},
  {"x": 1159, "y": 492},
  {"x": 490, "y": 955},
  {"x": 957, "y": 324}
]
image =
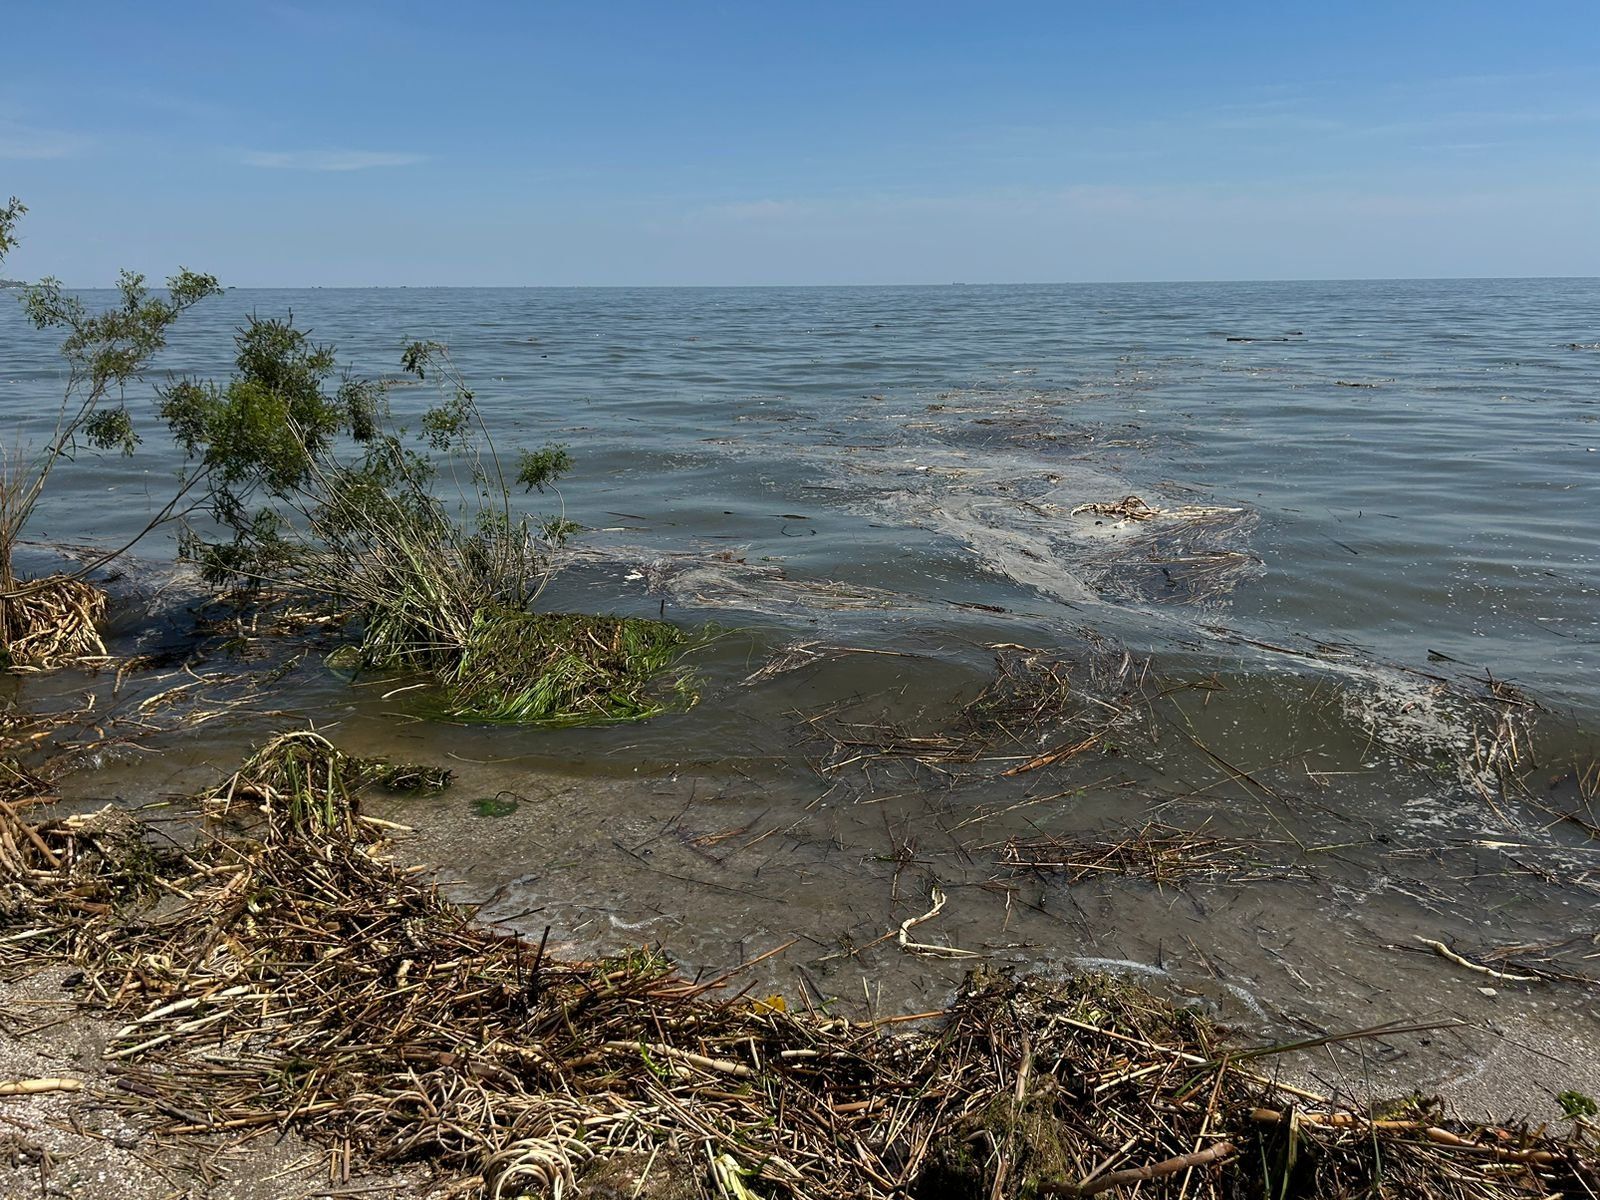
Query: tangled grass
[
  {"x": 535, "y": 668},
  {"x": 306, "y": 786},
  {"x": 566, "y": 669}
]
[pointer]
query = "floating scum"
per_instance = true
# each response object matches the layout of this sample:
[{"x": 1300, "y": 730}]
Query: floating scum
[{"x": 284, "y": 972}]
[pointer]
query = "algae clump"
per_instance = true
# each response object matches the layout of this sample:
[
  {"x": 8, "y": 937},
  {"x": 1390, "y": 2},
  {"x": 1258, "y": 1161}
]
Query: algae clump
[{"x": 566, "y": 668}]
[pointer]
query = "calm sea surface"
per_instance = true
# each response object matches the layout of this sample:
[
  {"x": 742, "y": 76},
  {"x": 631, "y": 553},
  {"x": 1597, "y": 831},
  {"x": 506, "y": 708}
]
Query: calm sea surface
[{"x": 1375, "y": 498}]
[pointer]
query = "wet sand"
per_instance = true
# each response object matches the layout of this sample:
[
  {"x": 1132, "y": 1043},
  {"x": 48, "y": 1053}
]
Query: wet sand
[{"x": 86, "y": 1145}]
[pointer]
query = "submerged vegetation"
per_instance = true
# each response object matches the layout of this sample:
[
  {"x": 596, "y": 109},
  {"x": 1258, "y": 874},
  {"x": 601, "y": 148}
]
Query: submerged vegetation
[
  {"x": 566, "y": 668},
  {"x": 289, "y": 976}
]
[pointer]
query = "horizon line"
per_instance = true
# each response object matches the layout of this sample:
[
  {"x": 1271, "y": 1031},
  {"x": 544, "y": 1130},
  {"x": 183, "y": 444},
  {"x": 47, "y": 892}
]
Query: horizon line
[{"x": 14, "y": 285}]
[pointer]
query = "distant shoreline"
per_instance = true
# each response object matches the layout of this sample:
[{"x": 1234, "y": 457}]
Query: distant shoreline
[{"x": 839, "y": 287}]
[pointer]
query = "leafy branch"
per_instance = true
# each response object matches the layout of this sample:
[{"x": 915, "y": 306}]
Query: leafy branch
[{"x": 105, "y": 351}]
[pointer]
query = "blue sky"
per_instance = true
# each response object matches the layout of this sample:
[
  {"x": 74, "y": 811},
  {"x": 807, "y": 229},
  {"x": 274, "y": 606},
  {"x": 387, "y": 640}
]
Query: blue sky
[{"x": 349, "y": 143}]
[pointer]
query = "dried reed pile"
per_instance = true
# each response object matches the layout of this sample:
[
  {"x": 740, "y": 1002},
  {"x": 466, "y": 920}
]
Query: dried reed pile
[
  {"x": 53, "y": 622},
  {"x": 1159, "y": 853},
  {"x": 294, "y": 977},
  {"x": 1030, "y": 715}
]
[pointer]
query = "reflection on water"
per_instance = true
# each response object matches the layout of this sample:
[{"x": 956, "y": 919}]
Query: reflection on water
[{"x": 1348, "y": 631}]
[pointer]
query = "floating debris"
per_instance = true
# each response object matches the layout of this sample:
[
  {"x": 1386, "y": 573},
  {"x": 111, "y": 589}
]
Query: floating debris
[
  {"x": 1132, "y": 508},
  {"x": 809, "y": 654},
  {"x": 1159, "y": 853},
  {"x": 1029, "y": 716},
  {"x": 1129, "y": 508},
  {"x": 727, "y": 580}
]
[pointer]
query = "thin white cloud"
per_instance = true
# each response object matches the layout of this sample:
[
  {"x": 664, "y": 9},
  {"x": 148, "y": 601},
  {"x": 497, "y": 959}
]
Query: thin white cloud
[
  {"x": 19, "y": 141},
  {"x": 762, "y": 210},
  {"x": 1280, "y": 120},
  {"x": 328, "y": 160}
]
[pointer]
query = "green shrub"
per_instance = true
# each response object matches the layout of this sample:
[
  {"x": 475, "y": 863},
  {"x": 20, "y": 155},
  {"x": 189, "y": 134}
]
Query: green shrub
[{"x": 315, "y": 488}]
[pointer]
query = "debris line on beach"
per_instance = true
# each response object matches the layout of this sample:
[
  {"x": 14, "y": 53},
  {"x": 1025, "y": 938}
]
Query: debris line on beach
[{"x": 292, "y": 975}]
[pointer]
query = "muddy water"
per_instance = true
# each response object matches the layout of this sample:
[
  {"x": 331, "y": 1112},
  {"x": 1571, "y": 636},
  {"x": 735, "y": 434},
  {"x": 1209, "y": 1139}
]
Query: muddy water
[{"x": 1374, "y": 498}]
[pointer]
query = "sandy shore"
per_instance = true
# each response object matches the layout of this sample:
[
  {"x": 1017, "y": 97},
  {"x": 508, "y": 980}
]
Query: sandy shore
[{"x": 85, "y": 1145}]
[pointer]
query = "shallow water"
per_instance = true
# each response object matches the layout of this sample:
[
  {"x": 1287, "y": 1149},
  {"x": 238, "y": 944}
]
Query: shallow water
[{"x": 1385, "y": 496}]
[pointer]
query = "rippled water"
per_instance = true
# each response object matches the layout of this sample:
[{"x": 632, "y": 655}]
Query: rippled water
[
  {"x": 1376, "y": 498},
  {"x": 1444, "y": 502}
]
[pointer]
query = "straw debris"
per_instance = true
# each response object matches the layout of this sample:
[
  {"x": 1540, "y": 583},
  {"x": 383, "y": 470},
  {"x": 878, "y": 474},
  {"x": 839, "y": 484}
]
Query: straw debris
[
  {"x": 1039, "y": 710},
  {"x": 291, "y": 977},
  {"x": 1158, "y": 853},
  {"x": 53, "y": 622}
]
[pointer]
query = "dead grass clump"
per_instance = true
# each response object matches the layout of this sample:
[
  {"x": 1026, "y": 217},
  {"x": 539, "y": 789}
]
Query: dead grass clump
[
  {"x": 1159, "y": 853},
  {"x": 1039, "y": 710},
  {"x": 307, "y": 786},
  {"x": 53, "y": 622},
  {"x": 296, "y": 979},
  {"x": 1129, "y": 508}
]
